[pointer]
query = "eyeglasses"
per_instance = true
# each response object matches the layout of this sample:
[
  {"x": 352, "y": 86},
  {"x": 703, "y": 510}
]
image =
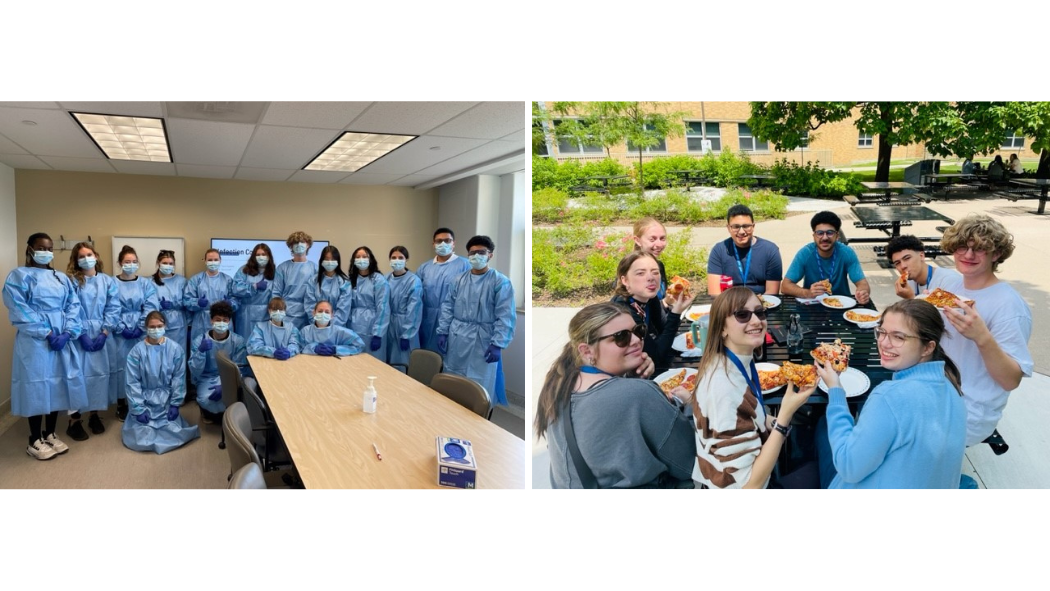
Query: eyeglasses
[
  {"x": 897, "y": 339},
  {"x": 828, "y": 233},
  {"x": 622, "y": 338},
  {"x": 744, "y": 316},
  {"x": 478, "y": 252},
  {"x": 442, "y": 241},
  {"x": 744, "y": 227},
  {"x": 962, "y": 250}
]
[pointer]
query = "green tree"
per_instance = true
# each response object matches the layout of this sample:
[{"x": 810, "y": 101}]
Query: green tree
[{"x": 1032, "y": 119}]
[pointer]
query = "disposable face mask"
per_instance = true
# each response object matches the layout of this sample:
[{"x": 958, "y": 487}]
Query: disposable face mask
[
  {"x": 322, "y": 318},
  {"x": 167, "y": 269},
  {"x": 155, "y": 333},
  {"x": 87, "y": 263},
  {"x": 397, "y": 264},
  {"x": 212, "y": 265},
  {"x": 261, "y": 260},
  {"x": 361, "y": 263},
  {"x": 277, "y": 315},
  {"x": 299, "y": 248},
  {"x": 43, "y": 257},
  {"x": 329, "y": 265},
  {"x": 443, "y": 249},
  {"x": 130, "y": 268},
  {"x": 220, "y": 326},
  {"x": 478, "y": 262}
]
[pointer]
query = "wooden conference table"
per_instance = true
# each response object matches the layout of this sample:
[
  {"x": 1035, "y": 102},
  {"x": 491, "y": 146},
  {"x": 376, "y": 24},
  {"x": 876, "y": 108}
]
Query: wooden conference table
[{"x": 316, "y": 402}]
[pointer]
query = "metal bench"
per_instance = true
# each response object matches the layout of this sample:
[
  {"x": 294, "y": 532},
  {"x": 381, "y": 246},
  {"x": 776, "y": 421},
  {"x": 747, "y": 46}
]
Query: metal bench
[{"x": 931, "y": 251}]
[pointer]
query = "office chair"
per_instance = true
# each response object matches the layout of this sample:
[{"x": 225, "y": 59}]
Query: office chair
[
  {"x": 238, "y": 428},
  {"x": 230, "y": 378},
  {"x": 463, "y": 392},
  {"x": 264, "y": 428},
  {"x": 250, "y": 476},
  {"x": 422, "y": 366}
]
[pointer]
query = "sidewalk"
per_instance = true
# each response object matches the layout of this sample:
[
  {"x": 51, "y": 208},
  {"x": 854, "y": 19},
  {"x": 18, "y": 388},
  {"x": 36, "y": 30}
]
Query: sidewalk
[{"x": 1023, "y": 423}]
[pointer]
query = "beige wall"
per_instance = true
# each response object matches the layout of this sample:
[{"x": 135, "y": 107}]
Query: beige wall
[{"x": 9, "y": 259}]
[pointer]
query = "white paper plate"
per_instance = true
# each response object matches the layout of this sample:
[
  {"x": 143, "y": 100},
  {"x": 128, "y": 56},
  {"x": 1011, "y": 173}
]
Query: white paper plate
[
  {"x": 871, "y": 324},
  {"x": 854, "y": 382},
  {"x": 660, "y": 379},
  {"x": 847, "y": 302},
  {"x": 772, "y": 300},
  {"x": 694, "y": 313},
  {"x": 679, "y": 345},
  {"x": 764, "y": 366}
]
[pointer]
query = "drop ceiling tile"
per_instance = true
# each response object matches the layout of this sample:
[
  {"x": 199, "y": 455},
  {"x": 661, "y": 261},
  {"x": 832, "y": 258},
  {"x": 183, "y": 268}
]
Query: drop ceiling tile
[
  {"x": 55, "y": 133},
  {"x": 31, "y": 105},
  {"x": 155, "y": 168},
  {"x": 286, "y": 147},
  {"x": 208, "y": 142},
  {"x": 263, "y": 174},
  {"x": 205, "y": 172},
  {"x": 324, "y": 115},
  {"x": 489, "y": 151},
  {"x": 133, "y": 109},
  {"x": 220, "y": 111},
  {"x": 9, "y": 147},
  {"x": 80, "y": 164},
  {"x": 488, "y": 121},
  {"x": 23, "y": 161},
  {"x": 414, "y": 179},
  {"x": 414, "y": 118},
  {"x": 522, "y": 136},
  {"x": 417, "y": 155},
  {"x": 365, "y": 178},
  {"x": 317, "y": 176}
]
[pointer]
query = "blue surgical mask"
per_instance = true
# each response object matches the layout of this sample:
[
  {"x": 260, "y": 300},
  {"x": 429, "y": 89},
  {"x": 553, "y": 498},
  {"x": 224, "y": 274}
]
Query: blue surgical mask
[
  {"x": 261, "y": 260},
  {"x": 299, "y": 248},
  {"x": 361, "y": 263},
  {"x": 87, "y": 263},
  {"x": 329, "y": 265},
  {"x": 443, "y": 250},
  {"x": 322, "y": 317},
  {"x": 220, "y": 327},
  {"x": 155, "y": 333},
  {"x": 277, "y": 315},
  {"x": 167, "y": 269},
  {"x": 130, "y": 268},
  {"x": 213, "y": 265},
  {"x": 397, "y": 264},
  {"x": 478, "y": 261},
  {"x": 43, "y": 257}
]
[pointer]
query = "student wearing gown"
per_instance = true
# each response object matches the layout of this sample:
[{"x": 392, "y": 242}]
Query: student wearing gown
[
  {"x": 156, "y": 388},
  {"x": 99, "y": 317},
  {"x": 138, "y": 297},
  {"x": 206, "y": 288},
  {"x": 324, "y": 338},
  {"x": 370, "y": 312},
  {"x": 252, "y": 286},
  {"x": 277, "y": 337},
  {"x": 204, "y": 369},
  {"x": 333, "y": 286},
  {"x": 406, "y": 308},
  {"x": 477, "y": 321},
  {"x": 437, "y": 275},
  {"x": 46, "y": 376},
  {"x": 295, "y": 278},
  {"x": 171, "y": 289}
]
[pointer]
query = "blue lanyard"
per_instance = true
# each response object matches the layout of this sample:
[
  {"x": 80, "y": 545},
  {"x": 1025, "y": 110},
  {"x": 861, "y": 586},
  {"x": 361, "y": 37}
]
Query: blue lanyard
[
  {"x": 743, "y": 270},
  {"x": 831, "y": 276},
  {"x": 929, "y": 278},
  {"x": 592, "y": 369},
  {"x": 752, "y": 380}
]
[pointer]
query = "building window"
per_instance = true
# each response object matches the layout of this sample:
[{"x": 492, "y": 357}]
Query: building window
[
  {"x": 1014, "y": 141},
  {"x": 539, "y": 139},
  {"x": 693, "y": 135},
  {"x": 864, "y": 140},
  {"x": 748, "y": 142},
  {"x": 803, "y": 140},
  {"x": 568, "y": 146},
  {"x": 660, "y": 147}
]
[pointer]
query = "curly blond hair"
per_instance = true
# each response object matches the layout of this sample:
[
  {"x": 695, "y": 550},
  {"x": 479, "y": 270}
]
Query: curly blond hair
[{"x": 986, "y": 234}]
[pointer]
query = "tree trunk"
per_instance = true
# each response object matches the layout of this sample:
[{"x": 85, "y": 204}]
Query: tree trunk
[
  {"x": 1043, "y": 171},
  {"x": 641, "y": 177},
  {"x": 882, "y": 171}
]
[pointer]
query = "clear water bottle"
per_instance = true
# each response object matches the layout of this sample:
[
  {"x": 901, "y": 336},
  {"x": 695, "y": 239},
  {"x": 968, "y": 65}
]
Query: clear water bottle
[{"x": 794, "y": 337}]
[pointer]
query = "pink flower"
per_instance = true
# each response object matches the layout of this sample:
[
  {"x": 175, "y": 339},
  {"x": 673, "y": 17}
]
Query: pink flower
[{"x": 600, "y": 244}]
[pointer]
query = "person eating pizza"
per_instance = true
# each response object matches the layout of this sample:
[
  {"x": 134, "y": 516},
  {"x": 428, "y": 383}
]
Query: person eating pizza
[{"x": 826, "y": 258}]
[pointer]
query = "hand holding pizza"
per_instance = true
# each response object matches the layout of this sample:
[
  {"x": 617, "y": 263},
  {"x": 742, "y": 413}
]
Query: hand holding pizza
[
  {"x": 828, "y": 374},
  {"x": 967, "y": 321},
  {"x": 793, "y": 399}
]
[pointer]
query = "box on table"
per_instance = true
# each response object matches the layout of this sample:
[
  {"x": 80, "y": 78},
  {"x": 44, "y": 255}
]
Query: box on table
[{"x": 456, "y": 464}]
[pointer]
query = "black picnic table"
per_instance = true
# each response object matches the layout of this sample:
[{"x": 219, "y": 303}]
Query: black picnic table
[
  {"x": 890, "y": 219},
  {"x": 688, "y": 178},
  {"x": 598, "y": 184},
  {"x": 762, "y": 180},
  {"x": 1043, "y": 184}
]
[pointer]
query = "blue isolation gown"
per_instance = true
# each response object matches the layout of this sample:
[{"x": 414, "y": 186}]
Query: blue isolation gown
[
  {"x": 267, "y": 337},
  {"x": 219, "y": 287},
  {"x": 156, "y": 381},
  {"x": 346, "y": 341},
  {"x": 40, "y": 301},
  {"x": 253, "y": 302},
  {"x": 478, "y": 312},
  {"x": 137, "y": 299},
  {"x": 204, "y": 369},
  {"x": 336, "y": 291},
  {"x": 406, "y": 313},
  {"x": 370, "y": 314},
  {"x": 173, "y": 290},
  {"x": 99, "y": 309},
  {"x": 436, "y": 278},
  {"x": 291, "y": 282}
]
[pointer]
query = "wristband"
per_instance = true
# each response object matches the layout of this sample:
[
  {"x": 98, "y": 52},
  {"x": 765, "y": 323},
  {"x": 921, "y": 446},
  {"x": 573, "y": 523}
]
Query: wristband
[{"x": 781, "y": 428}]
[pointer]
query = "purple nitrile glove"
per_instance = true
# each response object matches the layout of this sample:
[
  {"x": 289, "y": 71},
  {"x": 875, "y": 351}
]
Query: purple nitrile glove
[
  {"x": 128, "y": 333},
  {"x": 324, "y": 349},
  {"x": 202, "y": 302},
  {"x": 205, "y": 344},
  {"x": 173, "y": 411},
  {"x": 143, "y": 418},
  {"x": 136, "y": 332},
  {"x": 261, "y": 285},
  {"x": 166, "y": 304},
  {"x": 281, "y": 354},
  {"x": 86, "y": 342},
  {"x": 404, "y": 344},
  {"x": 443, "y": 343},
  {"x": 100, "y": 341},
  {"x": 58, "y": 342},
  {"x": 377, "y": 342},
  {"x": 492, "y": 354},
  {"x": 216, "y": 393}
]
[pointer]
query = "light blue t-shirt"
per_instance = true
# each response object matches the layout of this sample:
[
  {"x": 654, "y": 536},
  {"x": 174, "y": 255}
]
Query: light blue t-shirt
[
  {"x": 765, "y": 263},
  {"x": 843, "y": 263}
]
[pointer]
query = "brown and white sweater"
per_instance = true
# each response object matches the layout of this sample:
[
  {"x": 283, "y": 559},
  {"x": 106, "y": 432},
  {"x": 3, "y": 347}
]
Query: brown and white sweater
[{"x": 730, "y": 427}]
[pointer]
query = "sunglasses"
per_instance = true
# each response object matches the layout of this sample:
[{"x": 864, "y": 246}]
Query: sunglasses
[
  {"x": 744, "y": 316},
  {"x": 622, "y": 338}
]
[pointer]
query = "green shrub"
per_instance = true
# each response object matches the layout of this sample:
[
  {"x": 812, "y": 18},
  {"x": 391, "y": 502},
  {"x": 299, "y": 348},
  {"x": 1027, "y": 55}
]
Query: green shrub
[
  {"x": 729, "y": 167},
  {"x": 549, "y": 173},
  {"x": 544, "y": 172},
  {"x": 813, "y": 181},
  {"x": 549, "y": 205},
  {"x": 657, "y": 172}
]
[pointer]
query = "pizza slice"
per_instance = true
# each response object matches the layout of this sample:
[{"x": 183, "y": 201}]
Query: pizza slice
[
  {"x": 678, "y": 285},
  {"x": 945, "y": 299},
  {"x": 672, "y": 382},
  {"x": 827, "y": 284},
  {"x": 803, "y": 376},
  {"x": 836, "y": 353},
  {"x": 904, "y": 278},
  {"x": 771, "y": 379},
  {"x": 689, "y": 344}
]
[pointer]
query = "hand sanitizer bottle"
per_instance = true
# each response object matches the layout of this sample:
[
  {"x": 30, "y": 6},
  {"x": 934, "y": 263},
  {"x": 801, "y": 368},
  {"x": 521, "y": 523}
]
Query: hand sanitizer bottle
[{"x": 369, "y": 399}]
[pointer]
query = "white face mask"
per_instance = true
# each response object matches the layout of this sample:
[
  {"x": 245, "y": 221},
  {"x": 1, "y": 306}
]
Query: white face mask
[
  {"x": 155, "y": 333},
  {"x": 167, "y": 269},
  {"x": 130, "y": 268},
  {"x": 220, "y": 327},
  {"x": 43, "y": 257},
  {"x": 299, "y": 248},
  {"x": 322, "y": 318},
  {"x": 87, "y": 263},
  {"x": 361, "y": 263},
  {"x": 262, "y": 260},
  {"x": 329, "y": 265},
  {"x": 213, "y": 265},
  {"x": 277, "y": 315},
  {"x": 397, "y": 264}
]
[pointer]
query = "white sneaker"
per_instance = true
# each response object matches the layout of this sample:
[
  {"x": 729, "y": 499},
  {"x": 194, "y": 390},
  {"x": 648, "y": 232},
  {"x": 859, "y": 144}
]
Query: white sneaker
[
  {"x": 56, "y": 444},
  {"x": 40, "y": 450}
]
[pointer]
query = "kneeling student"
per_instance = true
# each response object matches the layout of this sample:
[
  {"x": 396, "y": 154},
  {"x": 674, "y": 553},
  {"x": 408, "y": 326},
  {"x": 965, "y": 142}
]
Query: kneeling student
[
  {"x": 204, "y": 368},
  {"x": 322, "y": 338},
  {"x": 275, "y": 338}
]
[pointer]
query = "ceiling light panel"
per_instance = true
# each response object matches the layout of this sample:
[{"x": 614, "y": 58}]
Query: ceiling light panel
[
  {"x": 127, "y": 138},
  {"x": 353, "y": 151}
]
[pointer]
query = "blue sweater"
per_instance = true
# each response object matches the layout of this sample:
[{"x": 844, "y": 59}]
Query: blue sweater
[{"x": 911, "y": 433}]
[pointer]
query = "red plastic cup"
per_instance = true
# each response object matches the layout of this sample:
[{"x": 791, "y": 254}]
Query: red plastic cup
[{"x": 725, "y": 282}]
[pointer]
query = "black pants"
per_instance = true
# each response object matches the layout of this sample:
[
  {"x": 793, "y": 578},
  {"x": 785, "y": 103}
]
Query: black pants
[{"x": 49, "y": 421}]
